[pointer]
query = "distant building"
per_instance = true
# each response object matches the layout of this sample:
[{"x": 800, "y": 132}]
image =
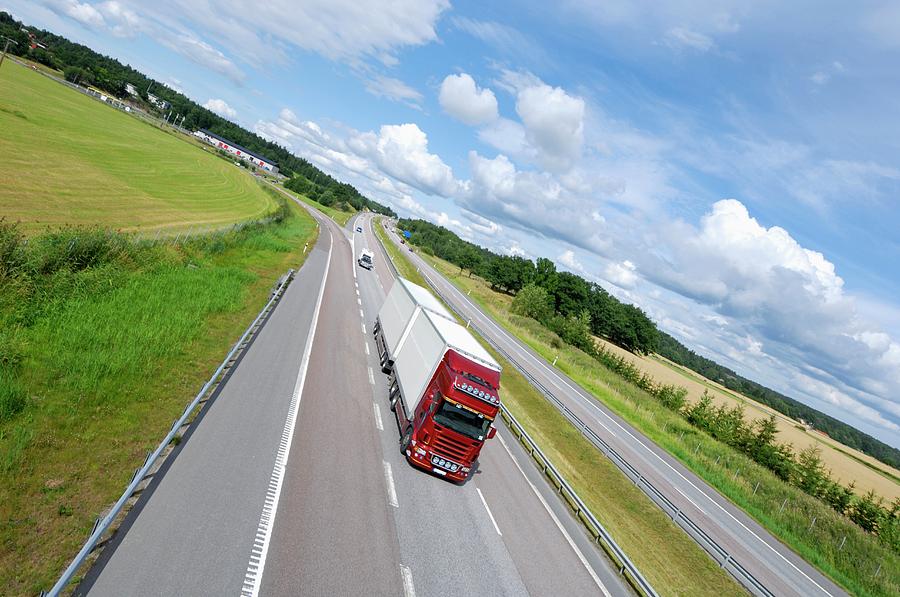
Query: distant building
[
  {"x": 131, "y": 90},
  {"x": 236, "y": 150},
  {"x": 159, "y": 103}
]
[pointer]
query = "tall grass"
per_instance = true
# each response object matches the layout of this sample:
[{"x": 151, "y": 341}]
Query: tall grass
[{"x": 104, "y": 340}]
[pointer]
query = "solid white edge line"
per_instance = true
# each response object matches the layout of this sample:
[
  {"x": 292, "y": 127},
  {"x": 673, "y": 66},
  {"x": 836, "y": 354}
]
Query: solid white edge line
[
  {"x": 408, "y": 589},
  {"x": 559, "y": 525},
  {"x": 389, "y": 479},
  {"x": 378, "y": 422},
  {"x": 590, "y": 402},
  {"x": 490, "y": 514},
  {"x": 257, "y": 563}
]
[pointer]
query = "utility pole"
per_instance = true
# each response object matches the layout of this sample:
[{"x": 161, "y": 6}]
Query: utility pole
[{"x": 6, "y": 47}]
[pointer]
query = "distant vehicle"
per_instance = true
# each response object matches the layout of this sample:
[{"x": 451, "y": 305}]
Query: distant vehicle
[
  {"x": 359, "y": 228},
  {"x": 365, "y": 259},
  {"x": 402, "y": 241},
  {"x": 444, "y": 386}
]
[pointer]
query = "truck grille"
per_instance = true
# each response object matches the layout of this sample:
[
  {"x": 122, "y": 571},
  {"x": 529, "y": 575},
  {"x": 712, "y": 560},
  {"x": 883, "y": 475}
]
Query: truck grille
[{"x": 451, "y": 448}]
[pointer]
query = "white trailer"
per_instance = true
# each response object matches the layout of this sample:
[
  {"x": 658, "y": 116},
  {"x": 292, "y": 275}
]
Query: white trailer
[
  {"x": 396, "y": 316},
  {"x": 428, "y": 338}
]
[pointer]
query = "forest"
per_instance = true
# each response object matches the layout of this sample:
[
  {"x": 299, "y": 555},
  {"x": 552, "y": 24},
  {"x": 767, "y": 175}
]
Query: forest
[
  {"x": 86, "y": 67},
  {"x": 571, "y": 299}
]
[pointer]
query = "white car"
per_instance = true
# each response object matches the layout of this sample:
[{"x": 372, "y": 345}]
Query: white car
[{"x": 365, "y": 259}]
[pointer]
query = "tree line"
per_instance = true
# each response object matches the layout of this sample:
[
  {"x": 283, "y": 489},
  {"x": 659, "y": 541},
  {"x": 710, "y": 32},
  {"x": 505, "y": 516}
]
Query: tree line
[
  {"x": 569, "y": 305},
  {"x": 324, "y": 189},
  {"x": 84, "y": 66},
  {"x": 676, "y": 352}
]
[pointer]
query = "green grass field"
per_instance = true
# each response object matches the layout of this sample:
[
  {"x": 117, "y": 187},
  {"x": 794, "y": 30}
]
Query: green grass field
[
  {"x": 68, "y": 159},
  {"x": 96, "y": 362},
  {"x": 672, "y": 562}
]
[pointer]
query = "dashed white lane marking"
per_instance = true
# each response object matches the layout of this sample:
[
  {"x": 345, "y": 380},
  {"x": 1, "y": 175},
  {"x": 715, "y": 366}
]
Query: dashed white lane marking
[
  {"x": 366, "y": 344},
  {"x": 363, "y": 326},
  {"x": 378, "y": 422},
  {"x": 358, "y": 300},
  {"x": 371, "y": 377},
  {"x": 559, "y": 525},
  {"x": 486, "y": 507},
  {"x": 361, "y": 314},
  {"x": 389, "y": 479},
  {"x": 408, "y": 589},
  {"x": 257, "y": 563}
]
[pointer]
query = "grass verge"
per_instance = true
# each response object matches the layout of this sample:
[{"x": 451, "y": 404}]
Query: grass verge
[
  {"x": 103, "y": 358},
  {"x": 670, "y": 560},
  {"x": 339, "y": 216},
  {"x": 831, "y": 542}
]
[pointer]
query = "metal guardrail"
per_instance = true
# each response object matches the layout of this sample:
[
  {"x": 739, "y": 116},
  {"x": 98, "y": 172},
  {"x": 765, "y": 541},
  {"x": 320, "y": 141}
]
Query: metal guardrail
[
  {"x": 102, "y": 525},
  {"x": 718, "y": 553},
  {"x": 623, "y": 564}
]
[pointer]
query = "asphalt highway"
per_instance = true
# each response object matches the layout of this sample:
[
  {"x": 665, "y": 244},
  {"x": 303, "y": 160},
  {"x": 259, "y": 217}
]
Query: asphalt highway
[
  {"x": 292, "y": 483},
  {"x": 781, "y": 570}
]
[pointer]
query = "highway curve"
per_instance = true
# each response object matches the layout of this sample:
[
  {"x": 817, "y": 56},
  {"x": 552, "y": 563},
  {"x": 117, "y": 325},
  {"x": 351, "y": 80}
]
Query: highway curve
[
  {"x": 291, "y": 482},
  {"x": 776, "y": 566}
]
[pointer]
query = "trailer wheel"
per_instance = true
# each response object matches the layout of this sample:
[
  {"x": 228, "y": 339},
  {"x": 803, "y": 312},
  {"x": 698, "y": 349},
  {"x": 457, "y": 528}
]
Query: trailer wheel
[{"x": 405, "y": 441}]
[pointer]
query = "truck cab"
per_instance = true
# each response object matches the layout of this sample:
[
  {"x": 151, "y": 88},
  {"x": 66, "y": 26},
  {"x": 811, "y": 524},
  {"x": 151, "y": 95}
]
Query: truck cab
[{"x": 453, "y": 420}]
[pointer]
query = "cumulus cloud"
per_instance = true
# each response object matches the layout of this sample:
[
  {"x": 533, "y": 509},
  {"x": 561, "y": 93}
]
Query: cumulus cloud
[
  {"x": 465, "y": 101},
  {"x": 534, "y": 201},
  {"x": 220, "y": 107},
  {"x": 551, "y": 132},
  {"x": 622, "y": 274},
  {"x": 402, "y": 152},
  {"x": 554, "y": 123}
]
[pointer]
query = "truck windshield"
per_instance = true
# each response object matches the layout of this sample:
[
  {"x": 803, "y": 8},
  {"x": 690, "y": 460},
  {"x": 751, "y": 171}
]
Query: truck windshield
[{"x": 461, "y": 420}]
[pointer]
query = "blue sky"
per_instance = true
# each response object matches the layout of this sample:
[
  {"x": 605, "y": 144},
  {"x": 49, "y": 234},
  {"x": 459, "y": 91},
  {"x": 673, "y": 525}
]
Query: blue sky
[{"x": 731, "y": 167}]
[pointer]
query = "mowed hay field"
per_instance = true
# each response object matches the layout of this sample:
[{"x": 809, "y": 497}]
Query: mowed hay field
[
  {"x": 66, "y": 158},
  {"x": 845, "y": 463}
]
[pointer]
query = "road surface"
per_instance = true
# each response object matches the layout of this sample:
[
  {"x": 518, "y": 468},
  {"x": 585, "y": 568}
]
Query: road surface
[{"x": 292, "y": 481}]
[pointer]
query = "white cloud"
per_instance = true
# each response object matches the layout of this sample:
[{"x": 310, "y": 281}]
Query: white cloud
[
  {"x": 568, "y": 259},
  {"x": 622, "y": 274},
  {"x": 220, "y": 107},
  {"x": 343, "y": 30},
  {"x": 122, "y": 21},
  {"x": 83, "y": 12},
  {"x": 463, "y": 100},
  {"x": 200, "y": 52},
  {"x": 554, "y": 124},
  {"x": 401, "y": 151},
  {"x": 394, "y": 89},
  {"x": 534, "y": 201}
]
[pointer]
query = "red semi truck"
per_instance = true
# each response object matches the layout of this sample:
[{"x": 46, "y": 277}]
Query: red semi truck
[{"x": 444, "y": 386}]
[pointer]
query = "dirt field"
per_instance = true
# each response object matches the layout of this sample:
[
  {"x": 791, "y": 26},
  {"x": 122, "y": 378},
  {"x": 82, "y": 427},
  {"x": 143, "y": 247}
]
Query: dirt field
[{"x": 845, "y": 463}]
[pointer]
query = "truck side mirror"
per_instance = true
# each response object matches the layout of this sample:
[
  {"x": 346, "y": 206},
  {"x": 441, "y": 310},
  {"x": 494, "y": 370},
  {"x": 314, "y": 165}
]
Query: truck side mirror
[{"x": 492, "y": 432}]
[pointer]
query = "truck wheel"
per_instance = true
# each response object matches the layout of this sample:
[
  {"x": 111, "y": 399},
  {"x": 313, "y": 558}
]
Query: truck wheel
[{"x": 407, "y": 438}]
